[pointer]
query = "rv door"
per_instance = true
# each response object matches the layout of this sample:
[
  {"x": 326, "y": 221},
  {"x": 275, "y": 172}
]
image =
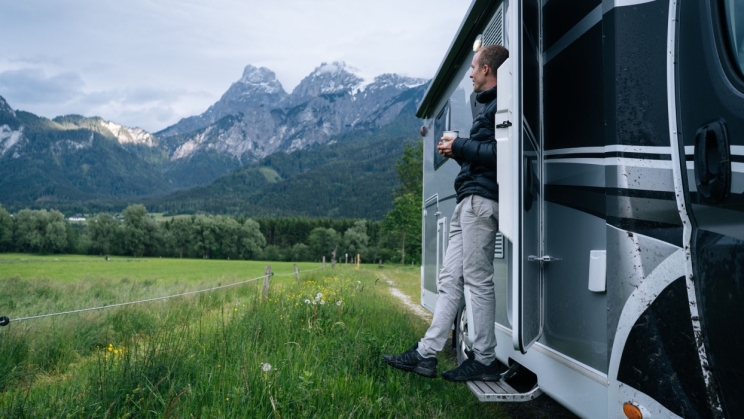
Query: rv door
[{"x": 519, "y": 169}]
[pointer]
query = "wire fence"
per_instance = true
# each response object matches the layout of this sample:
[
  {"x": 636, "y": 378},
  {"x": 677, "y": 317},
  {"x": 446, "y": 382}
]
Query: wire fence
[{"x": 4, "y": 320}]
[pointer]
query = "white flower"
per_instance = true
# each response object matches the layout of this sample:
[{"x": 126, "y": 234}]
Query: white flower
[
  {"x": 266, "y": 367},
  {"x": 307, "y": 301},
  {"x": 318, "y": 297},
  {"x": 314, "y": 303},
  {"x": 339, "y": 302},
  {"x": 359, "y": 282},
  {"x": 322, "y": 302}
]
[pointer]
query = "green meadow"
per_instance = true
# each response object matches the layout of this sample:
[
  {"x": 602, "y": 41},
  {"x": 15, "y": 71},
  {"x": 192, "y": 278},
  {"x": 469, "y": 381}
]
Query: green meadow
[{"x": 312, "y": 349}]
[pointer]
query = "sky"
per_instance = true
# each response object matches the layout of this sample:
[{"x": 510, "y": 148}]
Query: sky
[{"x": 149, "y": 63}]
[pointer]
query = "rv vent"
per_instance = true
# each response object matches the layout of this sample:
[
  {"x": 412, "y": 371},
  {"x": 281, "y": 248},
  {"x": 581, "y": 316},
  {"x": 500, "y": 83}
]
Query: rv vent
[
  {"x": 494, "y": 33},
  {"x": 499, "y": 253}
]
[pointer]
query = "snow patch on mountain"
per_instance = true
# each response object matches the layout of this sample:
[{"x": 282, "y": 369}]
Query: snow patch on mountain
[
  {"x": 127, "y": 135},
  {"x": 9, "y": 138}
]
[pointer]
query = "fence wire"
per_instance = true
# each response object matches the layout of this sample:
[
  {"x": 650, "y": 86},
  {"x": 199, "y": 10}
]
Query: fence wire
[{"x": 4, "y": 320}]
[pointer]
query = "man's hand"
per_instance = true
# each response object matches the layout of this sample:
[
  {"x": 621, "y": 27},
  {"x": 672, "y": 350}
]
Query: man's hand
[{"x": 445, "y": 148}]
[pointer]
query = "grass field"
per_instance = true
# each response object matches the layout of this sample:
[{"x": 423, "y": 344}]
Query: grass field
[{"x": 312, "y": 350}]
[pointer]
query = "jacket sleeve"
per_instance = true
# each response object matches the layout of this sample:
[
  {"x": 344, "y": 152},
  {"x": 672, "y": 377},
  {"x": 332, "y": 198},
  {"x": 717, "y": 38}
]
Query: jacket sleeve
[{"x": 482, "y": 153}]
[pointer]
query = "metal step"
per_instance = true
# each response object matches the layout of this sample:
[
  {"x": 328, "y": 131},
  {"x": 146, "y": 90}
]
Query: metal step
[{"x": 500, "y": 391}]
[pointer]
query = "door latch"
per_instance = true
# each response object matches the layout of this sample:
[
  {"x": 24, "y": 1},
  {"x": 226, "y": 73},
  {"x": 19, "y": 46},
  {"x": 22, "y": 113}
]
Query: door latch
[
  {"x": 541, "y": 259},
  {"x": 505, "y": 124}
]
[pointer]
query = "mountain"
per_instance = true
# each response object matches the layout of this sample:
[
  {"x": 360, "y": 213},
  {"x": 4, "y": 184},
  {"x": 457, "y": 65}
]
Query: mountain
[
  {"x": 258, "y": 86},
  {"x": 329, "y": 101},
  {"x": 352, "y": 176},
  {"x": 72, "y": 159}
]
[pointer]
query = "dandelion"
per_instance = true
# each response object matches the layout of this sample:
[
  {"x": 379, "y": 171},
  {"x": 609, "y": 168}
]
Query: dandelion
[
  {"x": 318, "y": 297},
  {"x": 307, "y": 301},
  {"x": 265, "y": 367},
  {"x": 339, "y": 302},
  {"x": 322, "y": 302},
  {"x": 227, "y": 399}
]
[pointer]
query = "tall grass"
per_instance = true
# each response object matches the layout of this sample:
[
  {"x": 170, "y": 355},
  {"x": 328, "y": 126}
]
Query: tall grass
[{"x": 312, "y": 350}]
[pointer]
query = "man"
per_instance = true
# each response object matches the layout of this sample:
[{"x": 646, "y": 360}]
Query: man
[{"x": 469, "y": 257}]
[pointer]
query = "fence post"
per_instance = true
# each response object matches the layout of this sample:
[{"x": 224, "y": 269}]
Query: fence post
[
  {"x": 323, "y": 262},
  {"x": 267, "y": 275},
  {"x": 359, "y": 260},
  {"x": 297, "y": 273}
]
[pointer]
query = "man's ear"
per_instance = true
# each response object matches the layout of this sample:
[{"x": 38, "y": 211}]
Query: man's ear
[{"x": 487, "y": 69}]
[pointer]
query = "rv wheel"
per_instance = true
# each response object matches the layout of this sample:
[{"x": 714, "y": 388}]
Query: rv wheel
[{"x": 461, "y": 336}]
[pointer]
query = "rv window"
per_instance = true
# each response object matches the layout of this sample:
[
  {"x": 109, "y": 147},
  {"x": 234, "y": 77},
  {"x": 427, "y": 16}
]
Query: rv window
[
  {"x": 735, "y": 25},
  {"x": 441, "y": 124},
  {"x": 462, "y": 102}
]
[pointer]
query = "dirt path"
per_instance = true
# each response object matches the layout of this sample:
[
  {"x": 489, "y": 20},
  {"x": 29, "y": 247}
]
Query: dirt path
[{"x": 417, "y": 309}]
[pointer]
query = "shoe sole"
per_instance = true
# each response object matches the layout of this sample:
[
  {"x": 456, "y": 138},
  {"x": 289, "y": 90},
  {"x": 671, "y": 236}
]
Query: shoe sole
[{"x": 424, "y": 372}]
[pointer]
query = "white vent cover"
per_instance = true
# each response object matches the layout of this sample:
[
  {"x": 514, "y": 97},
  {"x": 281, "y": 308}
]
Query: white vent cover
[
  {"x": 494, "y": 33},
  {"x": 499, "y": 250}
]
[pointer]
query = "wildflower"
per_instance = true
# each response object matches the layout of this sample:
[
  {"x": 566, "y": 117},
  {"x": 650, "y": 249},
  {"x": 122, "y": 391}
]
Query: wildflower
[
  {"x": 236, "y": 309},
  {"x": 227, "y": 399},
  {"x": 322, "y": 302},
  {"x": 339, "y": 302},
  {"x": 318, "y": 297},
  {"x": 307, "y": 301},
  {"x": 265, "y": 367}
]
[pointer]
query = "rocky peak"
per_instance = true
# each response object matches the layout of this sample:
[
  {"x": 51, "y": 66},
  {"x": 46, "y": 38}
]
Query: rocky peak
[
  {"x": 396, "y": 81},
  {"x": 332, "y": 78},
  {"x": 5, "y": 108}
]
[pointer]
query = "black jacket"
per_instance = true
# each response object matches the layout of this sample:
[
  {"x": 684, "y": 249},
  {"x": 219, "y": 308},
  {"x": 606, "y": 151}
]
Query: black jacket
[{"x": 477, "y": 154}]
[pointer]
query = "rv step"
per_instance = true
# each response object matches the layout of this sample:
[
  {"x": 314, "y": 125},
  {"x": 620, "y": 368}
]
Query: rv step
[{"x": 500, "y": 391}]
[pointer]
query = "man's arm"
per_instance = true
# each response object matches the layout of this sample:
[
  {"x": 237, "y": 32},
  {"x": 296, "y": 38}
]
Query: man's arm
[{"x": 482, "y": 153}]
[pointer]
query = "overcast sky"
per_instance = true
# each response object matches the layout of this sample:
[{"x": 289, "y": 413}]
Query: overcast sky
[{"x": 149, "y": 63}]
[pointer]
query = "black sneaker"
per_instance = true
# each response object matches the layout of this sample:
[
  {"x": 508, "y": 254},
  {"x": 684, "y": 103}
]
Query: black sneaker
[
  {"x": 411, "y": 360},
  {"x": 472, "y": 370}
]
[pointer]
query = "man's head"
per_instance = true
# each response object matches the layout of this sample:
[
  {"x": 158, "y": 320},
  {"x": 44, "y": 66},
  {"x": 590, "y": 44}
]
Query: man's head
[{"x": 484, "y": 65}]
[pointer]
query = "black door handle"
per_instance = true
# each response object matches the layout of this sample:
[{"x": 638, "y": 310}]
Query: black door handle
[{"x": 713, "y": 162}]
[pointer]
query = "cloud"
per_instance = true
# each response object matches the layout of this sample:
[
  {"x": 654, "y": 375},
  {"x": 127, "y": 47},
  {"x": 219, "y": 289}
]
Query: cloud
[{"x": 32, "y": 85}]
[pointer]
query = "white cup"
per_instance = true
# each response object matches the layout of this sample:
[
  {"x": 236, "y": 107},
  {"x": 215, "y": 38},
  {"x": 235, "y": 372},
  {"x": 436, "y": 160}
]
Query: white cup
[{"x": 449, "y": 136}]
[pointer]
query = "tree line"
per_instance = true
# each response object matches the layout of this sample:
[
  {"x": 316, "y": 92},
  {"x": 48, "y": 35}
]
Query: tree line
[{"x": 134, "y": 232}]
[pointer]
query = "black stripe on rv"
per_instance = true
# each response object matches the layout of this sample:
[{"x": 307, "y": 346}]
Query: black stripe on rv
[
  {"x": 621, "y": 154},
  {"x": 655, "y": 211},
  {"x": 660, "y": 357}
]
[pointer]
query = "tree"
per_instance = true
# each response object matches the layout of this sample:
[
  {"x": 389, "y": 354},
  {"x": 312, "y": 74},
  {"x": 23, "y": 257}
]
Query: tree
[
  {"x": 40, "y": 231},
  {"x": 102, "y": 232},
  {"x": 138, "y": 230},
  {"x": 403, "y": 223},
  {"x": 356, "y": 239},
  {"x": 410, "y": 168},
  {"x": 178, "y": 233},
  {"x": 6, "y": 230},
  {"x": 323, "y": 241},
  {"x": 301, "y": 252},
  {"x": 251, "y": 239},
  {"x": 204, "y": 236}
]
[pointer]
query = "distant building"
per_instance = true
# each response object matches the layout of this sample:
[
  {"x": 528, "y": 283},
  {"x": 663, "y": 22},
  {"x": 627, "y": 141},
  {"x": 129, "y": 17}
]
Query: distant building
[{"x": 77, "y": 218}]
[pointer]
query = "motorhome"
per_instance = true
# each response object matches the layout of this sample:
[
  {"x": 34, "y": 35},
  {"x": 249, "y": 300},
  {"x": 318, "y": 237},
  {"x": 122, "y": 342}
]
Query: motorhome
[{"x": 619, "y": 266}]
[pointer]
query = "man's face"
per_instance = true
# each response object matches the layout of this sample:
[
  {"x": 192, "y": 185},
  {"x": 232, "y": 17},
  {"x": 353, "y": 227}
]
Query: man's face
[{"x": 478, "y": 74}]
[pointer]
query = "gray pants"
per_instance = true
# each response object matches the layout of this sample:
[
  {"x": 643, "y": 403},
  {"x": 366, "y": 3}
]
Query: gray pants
[{"x": 468, "y": 261}]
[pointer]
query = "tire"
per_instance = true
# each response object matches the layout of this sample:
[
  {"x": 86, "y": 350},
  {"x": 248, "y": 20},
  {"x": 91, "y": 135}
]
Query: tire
[{"x": 461, "y": 333}]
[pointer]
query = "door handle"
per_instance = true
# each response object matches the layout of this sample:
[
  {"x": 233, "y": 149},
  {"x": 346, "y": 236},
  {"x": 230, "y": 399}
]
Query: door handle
[
  {"x": 713, "y": 162},
  {"x": 542, "y": 259}
]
